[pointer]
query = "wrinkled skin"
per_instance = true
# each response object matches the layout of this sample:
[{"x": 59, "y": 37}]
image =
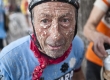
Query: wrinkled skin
[{"x": 54, "y": 24}]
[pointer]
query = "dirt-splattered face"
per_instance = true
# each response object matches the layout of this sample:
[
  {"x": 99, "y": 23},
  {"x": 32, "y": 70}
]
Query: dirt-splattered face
[{"x": 54, "y": 24}]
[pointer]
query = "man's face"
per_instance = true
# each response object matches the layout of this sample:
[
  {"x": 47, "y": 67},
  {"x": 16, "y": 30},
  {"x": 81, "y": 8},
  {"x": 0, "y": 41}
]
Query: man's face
[{"x": 54, "y": 24}]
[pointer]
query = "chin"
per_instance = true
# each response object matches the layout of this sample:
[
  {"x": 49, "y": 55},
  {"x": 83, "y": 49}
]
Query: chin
[{"x": 54, "y": 55}]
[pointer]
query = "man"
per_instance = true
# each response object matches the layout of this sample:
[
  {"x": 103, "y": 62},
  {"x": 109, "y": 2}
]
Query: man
[
  {"x": 50, "y": 53},
  {"x": 97, "y": 30}
]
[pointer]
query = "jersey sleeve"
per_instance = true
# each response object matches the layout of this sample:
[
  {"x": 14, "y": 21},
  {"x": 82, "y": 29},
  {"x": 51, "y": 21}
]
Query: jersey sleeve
[
  {"x": 102, "y": 4},
  {"x": 3, "y": 73},
  {"x": 78, "y": 46}
]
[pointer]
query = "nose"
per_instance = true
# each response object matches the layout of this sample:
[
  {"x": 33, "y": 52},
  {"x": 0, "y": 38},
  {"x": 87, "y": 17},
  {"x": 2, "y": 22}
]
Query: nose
[{"x": 55, "y": 31}]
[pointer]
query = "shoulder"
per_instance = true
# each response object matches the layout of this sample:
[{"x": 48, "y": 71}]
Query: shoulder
[
  {"x": 78, "y": 42},
  {"x": 78, "y": 47},
  {"x": 15, "y": 46},
  {"x": 78, "y": 51},
  {"x": 16, "y": 56},
  {"x": 102, "y": 4}
]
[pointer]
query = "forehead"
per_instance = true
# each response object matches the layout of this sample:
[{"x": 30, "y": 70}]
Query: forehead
[{"x": 53, "y": 7}]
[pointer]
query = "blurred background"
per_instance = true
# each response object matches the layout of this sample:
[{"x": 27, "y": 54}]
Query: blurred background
[{"x": 16, "y": 20}]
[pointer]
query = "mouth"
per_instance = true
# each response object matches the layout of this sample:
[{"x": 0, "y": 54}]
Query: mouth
[{"x": 55, "y": 47}]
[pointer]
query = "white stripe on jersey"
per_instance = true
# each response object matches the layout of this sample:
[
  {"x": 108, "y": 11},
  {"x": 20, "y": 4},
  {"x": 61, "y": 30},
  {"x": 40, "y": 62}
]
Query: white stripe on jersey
[{"x": 100, "y": 4}]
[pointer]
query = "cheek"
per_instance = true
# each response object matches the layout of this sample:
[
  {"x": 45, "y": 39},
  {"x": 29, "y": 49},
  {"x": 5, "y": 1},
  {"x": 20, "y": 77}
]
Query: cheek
[
  {"x": 69, "y": 32},
  {"x": 41, "y": 34}
]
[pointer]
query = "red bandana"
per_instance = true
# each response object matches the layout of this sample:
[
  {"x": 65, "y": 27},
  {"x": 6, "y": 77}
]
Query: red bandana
[{"x": 44, "y": 61}]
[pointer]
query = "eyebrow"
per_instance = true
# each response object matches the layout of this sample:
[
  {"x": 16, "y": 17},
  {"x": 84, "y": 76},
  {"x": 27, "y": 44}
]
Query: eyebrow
[
  {"x": 67, "y": 14},
  {"x": 45, "y": 14}
]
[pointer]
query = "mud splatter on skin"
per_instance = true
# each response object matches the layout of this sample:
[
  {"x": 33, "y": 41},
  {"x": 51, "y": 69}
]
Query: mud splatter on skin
[{"x": 54, "y": 25}]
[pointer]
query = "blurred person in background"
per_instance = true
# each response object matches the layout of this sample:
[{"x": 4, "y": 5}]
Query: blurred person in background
[
  {"x": 97, "y": 30},
  {"x": 18, "y": 25},
  {"x": 6, "y": 6},
  {"x": 25, "y": 11},
  {"x": 24, "y": 6},
  {"x": 2, "y": 25}
]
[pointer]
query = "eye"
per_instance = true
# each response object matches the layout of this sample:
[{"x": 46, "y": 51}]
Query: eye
[
  {"x": 65, "y": 20},
  {"x": 45, "y": 21}
]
